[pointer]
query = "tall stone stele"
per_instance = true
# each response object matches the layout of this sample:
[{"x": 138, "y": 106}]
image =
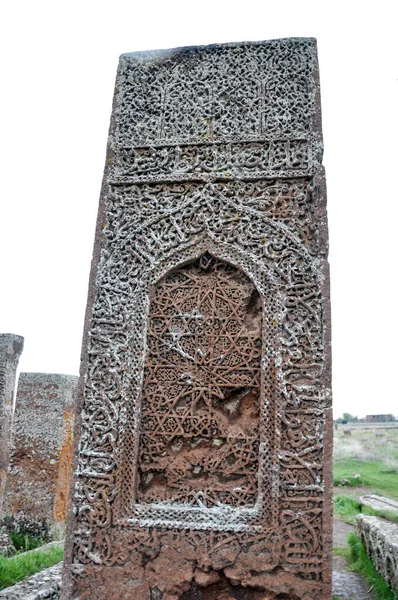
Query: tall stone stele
[
  {"x": 203, "y": 441},
  {"x": 11, "y": 347},
  {"x": 40, "y": 458}
]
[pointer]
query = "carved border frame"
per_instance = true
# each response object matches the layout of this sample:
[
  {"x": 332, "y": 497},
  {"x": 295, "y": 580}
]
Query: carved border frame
[{"x": 264, "y": 513}]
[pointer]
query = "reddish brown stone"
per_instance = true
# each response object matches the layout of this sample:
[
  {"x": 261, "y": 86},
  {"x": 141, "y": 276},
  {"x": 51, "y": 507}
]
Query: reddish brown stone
[
  {"x": 39, "y": 472},
  {"x": 204, "y": 579},
  {"x": 170, "y": 572},
  {"x": 64, "y": 467},
  {"x": 202, "y": 453}
]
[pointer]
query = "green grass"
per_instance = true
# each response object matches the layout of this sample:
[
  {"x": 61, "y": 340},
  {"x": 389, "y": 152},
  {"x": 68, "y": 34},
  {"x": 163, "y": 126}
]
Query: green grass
[
  {"x": 18, "y": 567},
  {"x": 389, "y": 515},
  {"x": 374, "y": 474},
  {"x": 360, "y": 563},
  {"x": 25, "y": 542},
  {"x": 341, "y": 551},
  {"x": 373, "y": 455},
  {"x": 348, "y": 508}
]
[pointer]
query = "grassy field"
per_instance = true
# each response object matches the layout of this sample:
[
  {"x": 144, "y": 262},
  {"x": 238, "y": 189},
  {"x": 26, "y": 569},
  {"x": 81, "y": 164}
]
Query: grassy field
[{"x": 370, "y": 454}]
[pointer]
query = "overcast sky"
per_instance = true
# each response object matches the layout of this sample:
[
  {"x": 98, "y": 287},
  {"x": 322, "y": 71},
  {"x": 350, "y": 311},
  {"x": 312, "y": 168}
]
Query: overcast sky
[{"x": 59, "y": 63}]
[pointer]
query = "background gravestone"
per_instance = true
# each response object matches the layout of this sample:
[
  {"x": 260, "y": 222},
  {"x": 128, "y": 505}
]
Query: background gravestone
[
  {"x": 203, "y": 438},
  {"x": 40, "y": 460},
  {"x": 11, "y": 347}
]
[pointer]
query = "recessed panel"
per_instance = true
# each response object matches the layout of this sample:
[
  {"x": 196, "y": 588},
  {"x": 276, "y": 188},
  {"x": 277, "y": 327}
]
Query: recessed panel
[{"x": 201, "y": 395}]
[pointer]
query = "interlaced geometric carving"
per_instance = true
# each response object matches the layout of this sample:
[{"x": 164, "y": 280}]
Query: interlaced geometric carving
[
  {"x": 217, "y": 92},
  {"x": 190, "y": 463},
  {"x": 200, "y": 405}
]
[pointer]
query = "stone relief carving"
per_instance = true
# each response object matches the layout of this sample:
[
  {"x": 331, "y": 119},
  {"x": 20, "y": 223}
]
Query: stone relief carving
[
  {"x": 217, "y": 92},
  {"x": 199, "y": 432},
  {"x": 213, "y": 178}
]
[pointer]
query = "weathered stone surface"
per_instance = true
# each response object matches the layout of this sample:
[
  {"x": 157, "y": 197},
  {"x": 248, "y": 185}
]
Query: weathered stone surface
[
  {"x": 40, "y": 460},
  {"x": 6, "y": 546},
  {"x": 45, "y": 585},
  {"x": 379, "y": 503},
  {"x": 381, "y": 540},
  {"x": 350, "y": 586},
  {"x": 11, "y": 347},
  {"x": 203, "y": 437},
  {"x": 191, "y": 448}
]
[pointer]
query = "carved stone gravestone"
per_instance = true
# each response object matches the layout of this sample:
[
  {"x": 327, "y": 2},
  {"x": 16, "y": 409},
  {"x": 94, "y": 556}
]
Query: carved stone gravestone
[
  {"x": 40, "y": 461},
  {"x": 11, "y": 347},
  {"x": 203, "y": 442}
]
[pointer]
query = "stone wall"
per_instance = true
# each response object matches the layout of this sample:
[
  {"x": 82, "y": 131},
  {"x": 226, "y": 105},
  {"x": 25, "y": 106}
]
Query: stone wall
[
  {"x": 11, "y": 347},
  {"x": 203, "y": 436},
  {"x": 40, "y": 459},
  {"x": 381, "y": 541}
]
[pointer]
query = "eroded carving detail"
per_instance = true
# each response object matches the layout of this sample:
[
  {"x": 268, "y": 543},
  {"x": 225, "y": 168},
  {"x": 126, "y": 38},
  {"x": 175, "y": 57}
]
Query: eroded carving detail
[
  {"x": 217, "y": 92},
  {"x": 201, "y": 394}
]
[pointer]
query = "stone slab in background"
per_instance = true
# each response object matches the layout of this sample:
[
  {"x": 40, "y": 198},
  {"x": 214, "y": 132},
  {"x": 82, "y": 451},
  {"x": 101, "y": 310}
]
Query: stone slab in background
[
  {"x": 11, "y": 347},
  {"x": 379, "y": 503},
  {"x": 381, "y": 541},
  {"x": 40, "y": 459}
]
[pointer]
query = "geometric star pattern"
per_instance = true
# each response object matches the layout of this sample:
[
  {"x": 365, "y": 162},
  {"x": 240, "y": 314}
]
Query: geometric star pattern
[{"x": 199, "y": 434}]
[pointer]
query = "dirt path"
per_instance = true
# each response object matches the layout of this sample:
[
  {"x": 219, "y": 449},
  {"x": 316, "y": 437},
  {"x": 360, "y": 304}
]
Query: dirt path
[
  {"x": 346, "y": 584},
  {"x": 340, "y": 531}
]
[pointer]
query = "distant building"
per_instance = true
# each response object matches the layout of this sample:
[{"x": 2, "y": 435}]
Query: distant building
[{"x": 379, "y": 418}]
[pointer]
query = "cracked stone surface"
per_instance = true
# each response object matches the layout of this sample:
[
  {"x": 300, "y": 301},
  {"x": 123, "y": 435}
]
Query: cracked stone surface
[
  {"x": 47, "y": 585},
  {"x": 6, "y": 545},
  {"x": 381, "y": 541}
]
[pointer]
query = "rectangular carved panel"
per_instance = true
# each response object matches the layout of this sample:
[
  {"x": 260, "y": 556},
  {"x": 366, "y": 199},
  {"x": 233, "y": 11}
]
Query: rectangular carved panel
[{"x": 201, "y": 394}]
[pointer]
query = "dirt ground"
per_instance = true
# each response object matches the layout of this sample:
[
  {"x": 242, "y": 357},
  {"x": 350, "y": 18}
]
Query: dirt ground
[{"x": 346, "y": 584}]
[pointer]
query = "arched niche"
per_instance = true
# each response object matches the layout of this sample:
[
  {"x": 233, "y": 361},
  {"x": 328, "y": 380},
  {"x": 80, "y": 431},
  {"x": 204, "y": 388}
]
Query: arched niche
[{"x": 201, "y": 393}]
